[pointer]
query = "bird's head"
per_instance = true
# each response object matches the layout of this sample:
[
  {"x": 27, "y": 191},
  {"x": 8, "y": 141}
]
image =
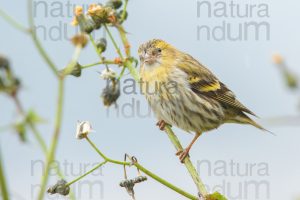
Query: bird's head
[{"x": 154, "y": 52}]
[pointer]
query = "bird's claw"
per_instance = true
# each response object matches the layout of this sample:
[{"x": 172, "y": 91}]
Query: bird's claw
[
  {"x": 161, "y": 124},
  {"x": 182, "y": 154}
]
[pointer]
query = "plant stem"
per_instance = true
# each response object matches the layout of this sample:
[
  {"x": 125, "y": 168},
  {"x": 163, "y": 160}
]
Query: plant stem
[
  {"x": 34, "y": 130},
  {"x": 103, "y": 156},
  {"x": 3, "y": 187},
  {"x": 55, "y": 138},
  {"x": 114, "y": 42},
  {"x": 13, "y": 22},
  {"x": 187, "y": 162},
  {"x": 146, "y": 171},
  {"x": 87, "y": 173},
  {"x": 37, "y": 42},
  {"x": 105, "y": 62},
  {"x": 39, "y": 138},
  {"x": 124, "y": 39},
  {"x": 124, "y": 11},
  {"x": 166, "y": 183}
]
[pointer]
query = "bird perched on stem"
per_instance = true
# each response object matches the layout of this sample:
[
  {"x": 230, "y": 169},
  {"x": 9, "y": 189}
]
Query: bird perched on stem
[{"x": 184, "y": 93}]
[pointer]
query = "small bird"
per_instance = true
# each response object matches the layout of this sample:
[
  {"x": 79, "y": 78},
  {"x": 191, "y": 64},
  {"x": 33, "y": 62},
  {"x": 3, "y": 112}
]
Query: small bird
[{"x": 184, "y": 93}]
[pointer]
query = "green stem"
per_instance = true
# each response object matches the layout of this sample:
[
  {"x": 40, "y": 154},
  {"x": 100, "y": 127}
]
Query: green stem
[
  {"x": 166, "y": 183},
  {"x": 3, "y": 187},
  {"x": 146, "y": 171},
  {"x": 187, "y": 162},
  {"x": 39, "y": 139},
  {"x": 13, "y": 22},
  {"x": 34, "y": 130},
  {"x": 124, "y": 39},
  {"x": 124, "y": 11},
  {"x": 87, "y": 173},
  {"x": 55, "y": 138},
  {"x": 37, "y": 42},
  {"x": 122, "y": 73},
  {"x": 113, "y": 41},
  {"x": 132, "y": 71},
  {"x": 105, "y": 62},
  {"x": 95, "y": 47}
]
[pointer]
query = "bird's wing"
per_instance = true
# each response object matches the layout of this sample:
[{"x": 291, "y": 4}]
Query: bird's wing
[{"x": 203, "y": 82}]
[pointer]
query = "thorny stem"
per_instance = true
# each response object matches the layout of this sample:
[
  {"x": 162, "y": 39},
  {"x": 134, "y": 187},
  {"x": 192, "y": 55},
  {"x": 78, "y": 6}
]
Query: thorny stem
[
  {"x": 143, "y": 169},
  {"x": 87, "y": 173},
  {"x": 13, "y": 22}
]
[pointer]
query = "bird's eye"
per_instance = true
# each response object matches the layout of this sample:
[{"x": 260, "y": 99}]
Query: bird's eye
[{"x": 159, "y": 50}]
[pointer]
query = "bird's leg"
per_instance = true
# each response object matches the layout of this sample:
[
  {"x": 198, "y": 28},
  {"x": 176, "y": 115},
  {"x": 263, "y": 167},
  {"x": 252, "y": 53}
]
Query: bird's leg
[
  {"x": 184, "y": 153},
  {"x": 161, "y": 124}
]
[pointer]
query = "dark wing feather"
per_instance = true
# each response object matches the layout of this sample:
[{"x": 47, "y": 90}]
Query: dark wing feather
[{"x": 203, "y": 82}]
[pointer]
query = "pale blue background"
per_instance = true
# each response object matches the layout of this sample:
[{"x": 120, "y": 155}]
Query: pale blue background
[{"x": 244, "y": 66}]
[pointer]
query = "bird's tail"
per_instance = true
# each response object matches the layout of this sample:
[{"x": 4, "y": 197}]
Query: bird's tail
[{"x": 244, "y": 119}]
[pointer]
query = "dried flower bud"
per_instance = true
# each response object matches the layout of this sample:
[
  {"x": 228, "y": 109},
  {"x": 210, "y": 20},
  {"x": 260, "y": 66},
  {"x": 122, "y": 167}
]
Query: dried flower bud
[
  {"x": 277, "y": 59},
  {"x": 60, "y": 188},
  {"x": 111, "y": 92},
  {"x": 101, "y": 44},
  {"x": 115, "y": 4},
  {"x": 128, "y": 185},
  {"x": 80, "y": 40},
  {"x": 99, "y": 13},
  {"x": 140, "y": 179},
  {"x": 83, "y": 129},
  {"x": 108, "y": 74}
]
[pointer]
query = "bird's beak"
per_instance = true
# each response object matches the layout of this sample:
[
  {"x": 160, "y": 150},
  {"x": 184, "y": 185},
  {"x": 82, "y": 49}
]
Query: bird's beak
[{"x": 147, "y": 58}]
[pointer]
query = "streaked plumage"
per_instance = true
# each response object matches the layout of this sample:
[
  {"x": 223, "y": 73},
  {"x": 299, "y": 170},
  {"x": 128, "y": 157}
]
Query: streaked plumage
[{"x": 200, "y": 102}]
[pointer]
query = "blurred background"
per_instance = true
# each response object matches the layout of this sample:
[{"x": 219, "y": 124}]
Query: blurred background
[{"x": 239, "y": 161}]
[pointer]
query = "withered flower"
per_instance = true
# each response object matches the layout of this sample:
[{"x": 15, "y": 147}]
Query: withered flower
[
  {"x": 111, "y": 92},
  {"x": 59, "y": 188},
  {"x": 83, "y": 129},
  {"x": 80, "y": 40}
]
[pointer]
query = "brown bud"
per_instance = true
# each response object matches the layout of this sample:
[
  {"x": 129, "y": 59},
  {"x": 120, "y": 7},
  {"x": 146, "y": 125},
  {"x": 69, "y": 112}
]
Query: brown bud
[{"x": 80, "y": 40}]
